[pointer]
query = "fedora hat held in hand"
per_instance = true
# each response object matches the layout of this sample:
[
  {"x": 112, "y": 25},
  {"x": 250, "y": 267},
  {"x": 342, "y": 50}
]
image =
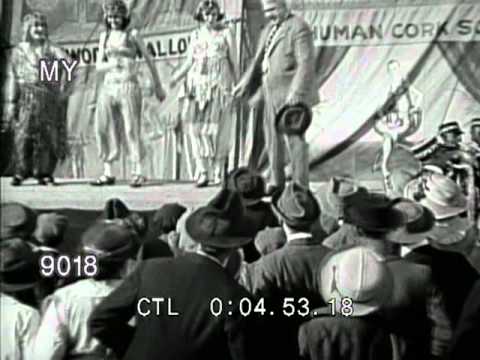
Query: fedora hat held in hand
[
  {"x": 293, "y": 119},
  {"x": 250, "y": 185}
]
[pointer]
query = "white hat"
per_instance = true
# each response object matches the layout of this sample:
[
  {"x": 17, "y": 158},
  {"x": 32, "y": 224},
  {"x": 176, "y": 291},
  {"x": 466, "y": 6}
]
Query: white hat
[{"x": 359, "y": 274}]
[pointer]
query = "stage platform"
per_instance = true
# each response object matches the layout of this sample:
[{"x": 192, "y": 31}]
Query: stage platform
[{"x": 78, "y": 194}]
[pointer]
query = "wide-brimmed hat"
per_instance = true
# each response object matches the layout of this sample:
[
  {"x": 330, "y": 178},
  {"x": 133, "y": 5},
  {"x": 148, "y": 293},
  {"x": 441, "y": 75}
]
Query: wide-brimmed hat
[
  {"x": 17, "y": 220},
  {"x": 358, "y": 274},
  {"x": 293, "y": 119},
  {"x": 450, "y": 126},
  {"x": 216, "y": 225},
  {"x": 374, "y": 212},
  {"x": 165, "y": 219},
  {"x": 249, "y": 184},
  {"x": 296, "y": 206},
  {"x": 51, "y": 228},
  {"x": 334, "y": 195},
  {"x": 19, "y": 269},
  {"x": 450, "y": 231},
  {"x": 440, "y": 194},
  {"x": 420, "y": 222},
  {"x": 110, "y": 241}
]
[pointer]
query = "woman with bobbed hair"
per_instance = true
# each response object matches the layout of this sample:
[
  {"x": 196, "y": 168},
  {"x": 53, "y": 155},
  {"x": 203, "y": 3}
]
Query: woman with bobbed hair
[
  {"x": 120, "y": 90},
  {"x": 210, "y": 73}
]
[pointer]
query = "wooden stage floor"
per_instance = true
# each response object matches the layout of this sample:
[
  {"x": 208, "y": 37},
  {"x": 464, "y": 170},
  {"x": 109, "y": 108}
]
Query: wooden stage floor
[{"x": 78, "y": 194}]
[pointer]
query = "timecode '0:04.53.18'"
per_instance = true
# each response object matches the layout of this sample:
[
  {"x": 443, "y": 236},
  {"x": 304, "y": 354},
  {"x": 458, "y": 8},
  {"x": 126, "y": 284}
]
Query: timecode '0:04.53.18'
[{"x": 290, "y": 307}]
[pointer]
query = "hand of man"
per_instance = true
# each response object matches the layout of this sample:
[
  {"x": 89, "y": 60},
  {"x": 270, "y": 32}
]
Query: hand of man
[
  {"x": 293, "y": 100},
  {"x": 160, "y": 94},
  {"x": 239, "y": 90},
  {"x": 8, "y": 118}
]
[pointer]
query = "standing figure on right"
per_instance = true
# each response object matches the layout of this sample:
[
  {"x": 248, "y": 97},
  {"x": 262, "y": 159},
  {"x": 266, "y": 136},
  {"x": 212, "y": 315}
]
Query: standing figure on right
[
  {"x": 400, "y": 122},
  {"x": 284, "y": 67}
]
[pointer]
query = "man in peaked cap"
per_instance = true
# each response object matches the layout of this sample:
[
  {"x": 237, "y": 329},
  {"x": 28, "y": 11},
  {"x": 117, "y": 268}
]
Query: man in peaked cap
[
  {"x": 437, "y": 154},
  {"x": 183, "y": 324},
  {"x": 284, "y": 68},
  {"x": 289, "y": 271}
]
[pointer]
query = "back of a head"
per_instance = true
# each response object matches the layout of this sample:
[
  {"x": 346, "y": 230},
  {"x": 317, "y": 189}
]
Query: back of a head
[
  {"x": 112, "y": 244},
  {"x": 51, "y": 229}
]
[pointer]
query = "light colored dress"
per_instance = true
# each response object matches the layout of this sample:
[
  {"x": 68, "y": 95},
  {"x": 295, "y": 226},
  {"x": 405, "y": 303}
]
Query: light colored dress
[
  {"x": 117, "y": 123},
  {"x": 207, "y": 93}
]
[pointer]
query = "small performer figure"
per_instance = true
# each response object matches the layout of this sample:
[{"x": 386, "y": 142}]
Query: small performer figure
[
  {"x": 284, "y": 68},
  {"x": 36, "y": 109},
  {"x": 400, "y": 122},
  {"x": 210, "y": 75},
  {"x": 117, "y": 119}
]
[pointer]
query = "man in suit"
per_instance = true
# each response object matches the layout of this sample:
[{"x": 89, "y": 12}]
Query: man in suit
[
  {"x": 465, "y": 339},
  {"x": 284, "y": 67},
  {"x": 190, "y": 282},
  {"x": 289, "y": 272}
]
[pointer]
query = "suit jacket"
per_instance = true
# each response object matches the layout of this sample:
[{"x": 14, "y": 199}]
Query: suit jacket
[
  {"x": 191, "y": 282},
  {"x": 416, "y": 311},
  {"x": 256, "y": 217},
  {"x": 467, "y": 334},
  {"x": 289, "y": 272},
  {"x": 451, "y": 272},
  {"x": 291, "y": 61},
  {"x": 344, "y": 338}
]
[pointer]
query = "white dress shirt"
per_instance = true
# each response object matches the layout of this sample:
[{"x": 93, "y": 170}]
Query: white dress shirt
[
  {"x": 19, "y": 324},
  {"x": 64, "y": 325}
]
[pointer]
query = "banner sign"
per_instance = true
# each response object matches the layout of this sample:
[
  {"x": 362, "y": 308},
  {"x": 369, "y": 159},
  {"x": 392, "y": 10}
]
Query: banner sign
[
  {"x": 389, "y": 26},
  {"x": 365, "y": 50},
  {"x": 160, "y": 47}
]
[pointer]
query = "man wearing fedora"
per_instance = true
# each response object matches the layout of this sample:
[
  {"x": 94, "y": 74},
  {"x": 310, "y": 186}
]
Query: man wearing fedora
[
  {"x": 290, "y": 270},
  {"x": 19, "y": 315},
  {"x": 257, "y": 214},
  {"x": 415, "y": 247},
  {"x": 190, "y": 282},
  {"x": 375, "y": 220},
  {"x": 284, "y": 67},
  {"x": 442, "y": 196},
  {"x": 334, "y": 197}
]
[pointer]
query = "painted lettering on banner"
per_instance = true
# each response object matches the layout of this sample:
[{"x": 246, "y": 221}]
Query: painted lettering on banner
[
  {"x": 390, "y": 26},
  {"x": 160, "y": 47}
]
